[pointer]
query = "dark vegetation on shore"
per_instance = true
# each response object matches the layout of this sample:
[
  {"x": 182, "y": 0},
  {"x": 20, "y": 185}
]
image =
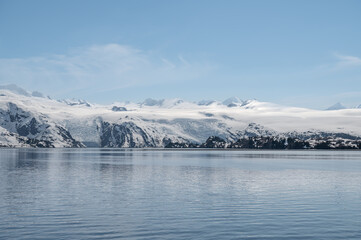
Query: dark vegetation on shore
[{"x": 272, "y": 143}]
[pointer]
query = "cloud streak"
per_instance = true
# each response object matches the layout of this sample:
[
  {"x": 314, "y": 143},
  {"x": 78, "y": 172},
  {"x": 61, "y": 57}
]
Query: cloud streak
[
  {"x": 100, "y": 68},
  {"x": 341, "y": 63},
  {"x": 347, "y": 61}
]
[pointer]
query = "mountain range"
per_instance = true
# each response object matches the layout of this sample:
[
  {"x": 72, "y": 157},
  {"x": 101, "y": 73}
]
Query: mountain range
[{"x": 32, "y": 120}]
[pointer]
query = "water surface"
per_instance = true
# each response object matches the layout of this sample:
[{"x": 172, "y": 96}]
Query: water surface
[{"x": 158, "y": 194}]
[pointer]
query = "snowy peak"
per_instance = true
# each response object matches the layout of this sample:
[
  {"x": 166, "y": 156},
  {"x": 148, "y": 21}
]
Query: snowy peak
[
  {"x": 206, "y": 102},
  {"x": 37, "y": 94},
  {"x": 165, "y": 103},
  {"x": 257, "y": 130},
  {"x": 75, "y": 102},
  {"x": 152, "y": 102},
  {"x": 229, "y": 102},
  {"x": 15, "y": 89},
  {"x": 20, "y": 91},
  {"x": 337, "y": 106},
  {"x": 232, "y": 102}
]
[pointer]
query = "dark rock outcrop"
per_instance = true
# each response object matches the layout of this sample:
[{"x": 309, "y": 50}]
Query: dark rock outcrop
[
  {"x": 126, "y": 134},
  {"x": 214, "y": 142},
  {"x": 118, "y": 109}
]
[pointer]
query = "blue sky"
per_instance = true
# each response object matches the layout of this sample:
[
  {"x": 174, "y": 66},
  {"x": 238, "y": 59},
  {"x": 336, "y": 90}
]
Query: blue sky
[{"x": 301, "y": 53}]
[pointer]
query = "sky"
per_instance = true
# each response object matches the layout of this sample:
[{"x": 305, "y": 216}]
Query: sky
[{"x": 297, "y": 53}]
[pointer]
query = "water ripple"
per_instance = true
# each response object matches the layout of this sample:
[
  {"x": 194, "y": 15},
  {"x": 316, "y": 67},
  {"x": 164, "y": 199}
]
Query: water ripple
[{"x": 142, "y": 194}]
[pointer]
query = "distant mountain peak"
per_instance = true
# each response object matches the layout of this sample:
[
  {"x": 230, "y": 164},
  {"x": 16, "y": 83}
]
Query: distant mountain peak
[
  {"x": 37, "y": 94},
  {"x": 337, "y": 106},
  {"x": 18, "y": 90},
  {"x": 15, "y": 89},
  {"x": 75, "y": 102},
  {"x": 232, "y": 100},
  {"x": 205, "y": 102},
  {"x": 152, "y": 102},
  {"x": 167, "y": 103}
]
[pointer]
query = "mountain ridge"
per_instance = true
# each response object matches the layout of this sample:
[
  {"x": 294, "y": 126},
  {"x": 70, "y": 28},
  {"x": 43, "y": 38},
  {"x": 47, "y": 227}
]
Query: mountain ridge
[{"x": 32, "y": 121}]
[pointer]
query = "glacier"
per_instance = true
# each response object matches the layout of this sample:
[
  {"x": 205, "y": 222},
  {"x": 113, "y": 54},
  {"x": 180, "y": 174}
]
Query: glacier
[{"x": 32, "y": 120}]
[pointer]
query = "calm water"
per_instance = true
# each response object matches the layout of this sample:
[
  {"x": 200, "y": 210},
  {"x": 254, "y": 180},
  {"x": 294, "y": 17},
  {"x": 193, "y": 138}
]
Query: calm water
[{"x": 143, "y": 194}]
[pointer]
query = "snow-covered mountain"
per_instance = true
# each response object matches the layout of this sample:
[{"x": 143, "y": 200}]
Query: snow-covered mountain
[
  {"x": 30, "y": 120},
  {"x": 72, "y": 102},
  {"x": 337, "y": 106},
  {"x": 232, "y": 102}
]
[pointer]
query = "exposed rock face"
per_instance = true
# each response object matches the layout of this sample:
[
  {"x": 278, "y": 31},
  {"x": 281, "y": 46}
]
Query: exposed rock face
[
  {"x": 118, "y": 109},
  {"x": 126, "y": 134},
  {"x": 67, "y": 138},
  {"x": 75, "y": 102},
  {"x": 214, "y": 142},
  {"x": 257, "y": 130}
]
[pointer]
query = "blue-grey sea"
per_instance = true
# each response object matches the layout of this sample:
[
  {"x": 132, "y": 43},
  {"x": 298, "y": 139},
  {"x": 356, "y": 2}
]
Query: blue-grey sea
[{"x": 179, "y": 194}]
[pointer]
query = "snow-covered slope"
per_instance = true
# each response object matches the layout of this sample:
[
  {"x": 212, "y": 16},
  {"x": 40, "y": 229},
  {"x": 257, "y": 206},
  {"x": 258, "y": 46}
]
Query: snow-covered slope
[{"x": 39, "y": 121}]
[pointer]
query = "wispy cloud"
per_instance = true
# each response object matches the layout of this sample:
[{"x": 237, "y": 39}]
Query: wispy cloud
[
  {"x": 100, "y": 67},
  {"x": 347, "y": 61},
  {"x": 340, "y": 63}
]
